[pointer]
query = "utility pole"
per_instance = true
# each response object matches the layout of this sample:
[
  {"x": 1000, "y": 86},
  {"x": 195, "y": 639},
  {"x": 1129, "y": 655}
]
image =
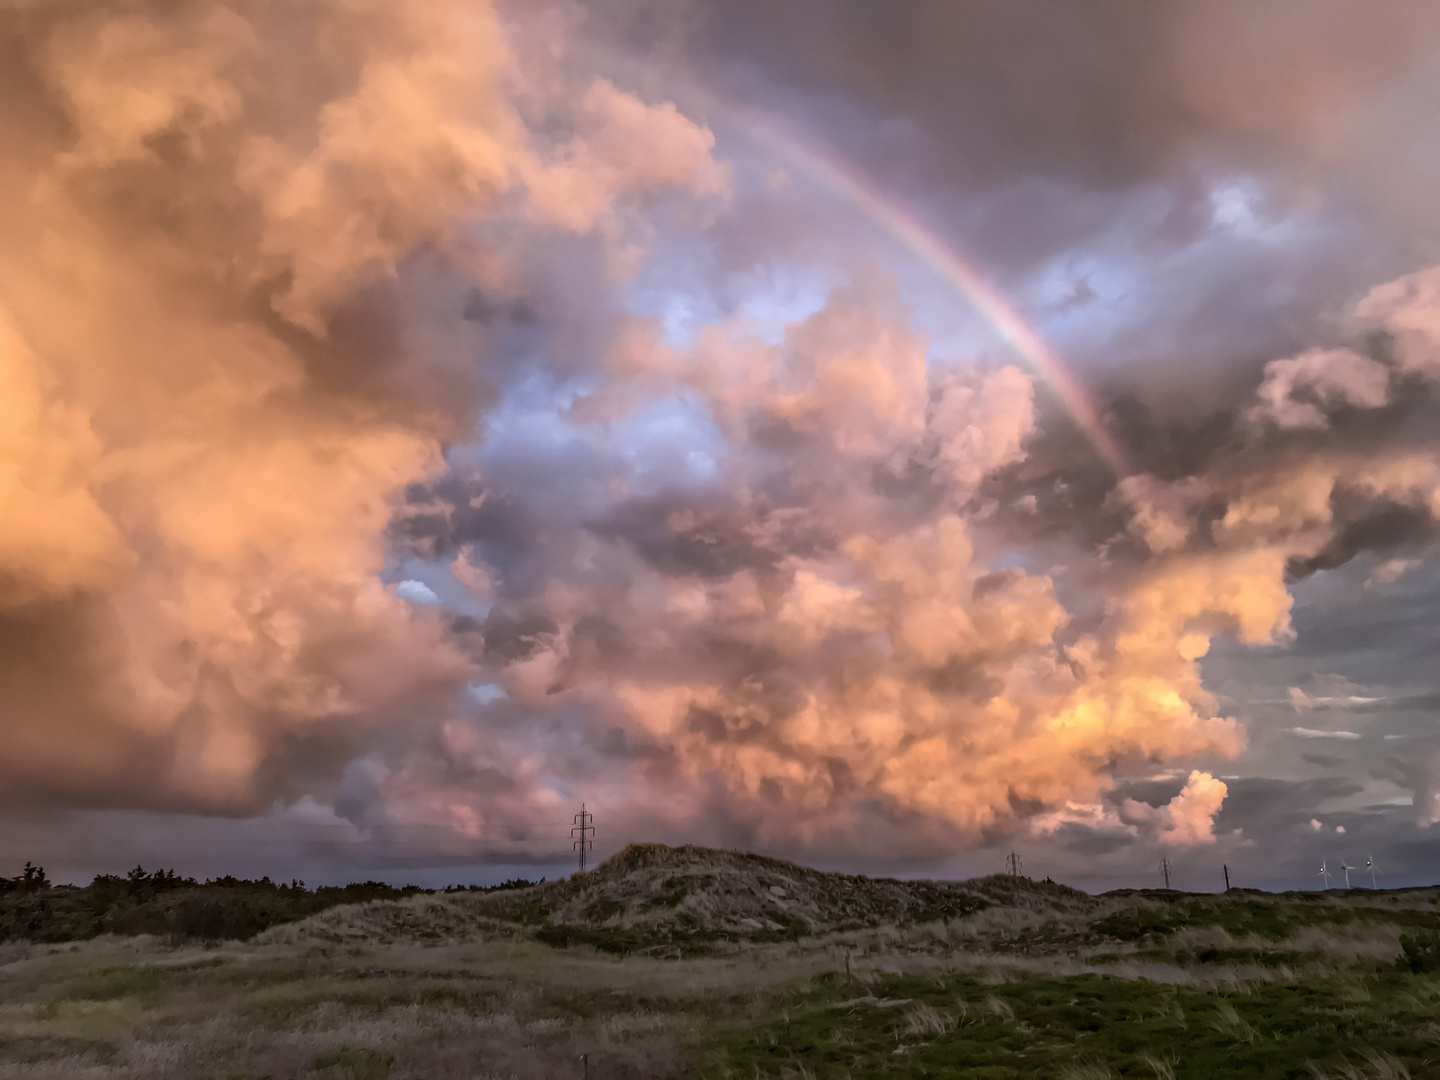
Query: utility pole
[
  {"x": 1165, "y": 869},
  {"x": 1012, "y": 864},
  {"x": 1227, "y": 876},
  {"x": 583, "y": 842}
]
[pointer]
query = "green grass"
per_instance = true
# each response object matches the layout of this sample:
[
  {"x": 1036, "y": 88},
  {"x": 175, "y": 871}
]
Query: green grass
[
  {"x": 1308, "y": 987},
  {"x": 354, "y": 1063},
  {"x": 625, "y": 941},
  {"x": 1271, "y": 919},
  {"x": 114, "y": 983},
  {"x": 956, "y": 1026},
  {"x": 603, "y": 938},
  {"x": 32, "y": 1049}
]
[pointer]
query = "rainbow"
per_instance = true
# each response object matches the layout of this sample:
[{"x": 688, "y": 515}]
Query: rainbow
[{"x": 947, "y": 262}]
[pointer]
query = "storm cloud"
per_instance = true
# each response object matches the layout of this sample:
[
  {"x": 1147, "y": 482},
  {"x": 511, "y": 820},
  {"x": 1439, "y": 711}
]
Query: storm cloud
[{"x": 428, "y": 417}]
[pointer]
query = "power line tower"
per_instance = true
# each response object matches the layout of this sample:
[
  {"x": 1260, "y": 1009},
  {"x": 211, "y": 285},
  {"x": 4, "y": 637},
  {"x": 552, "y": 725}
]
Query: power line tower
[
  {"x": 584, "y": 842},
  {"x": 1013, "y": 865},
  {"x": 1165, "y": 869}
]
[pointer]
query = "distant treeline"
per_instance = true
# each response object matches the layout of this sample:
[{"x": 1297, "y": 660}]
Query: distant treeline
[{"x": 164, "y": 903}]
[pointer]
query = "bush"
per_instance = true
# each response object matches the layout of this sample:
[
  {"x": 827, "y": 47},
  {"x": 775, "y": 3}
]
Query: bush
[
  {"x": 619, "y": 942},
  {"x": 1420, "y": 952},
  {"x": 166, "y": 904}
]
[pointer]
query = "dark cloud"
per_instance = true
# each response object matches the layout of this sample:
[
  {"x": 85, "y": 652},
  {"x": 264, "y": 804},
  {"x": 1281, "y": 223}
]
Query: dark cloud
[
  {"x": 681, "y": 535},
  {"x": 1375, "y": 526},
  {"x": 468, "y": 294},
  {"x": 1103, "y": 96},
  {"x": 444, "y": 517},
  {"x": 1260, "y": 804},
  {"x": 1091, "y": 842}
]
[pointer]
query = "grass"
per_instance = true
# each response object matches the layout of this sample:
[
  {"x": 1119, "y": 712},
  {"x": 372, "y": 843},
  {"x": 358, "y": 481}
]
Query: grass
[
  {"x": 1135, "y": 985},
  {"x": 959, "y": 1026},
  {"x": 354, "y": 1063},
  {"x": 1273, "y": 918}
]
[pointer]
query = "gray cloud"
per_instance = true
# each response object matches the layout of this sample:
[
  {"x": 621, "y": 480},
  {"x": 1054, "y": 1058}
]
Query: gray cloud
[{"x": 743, "y": 560}]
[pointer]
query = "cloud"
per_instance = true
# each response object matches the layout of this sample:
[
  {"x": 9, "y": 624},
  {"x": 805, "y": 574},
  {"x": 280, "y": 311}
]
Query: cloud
[
  {"x": 1331, "y": 377},
  {"x": 1161, "y": 514},
  {"x": 1408, "y": 309},
  {"x": 1334, "y": 692},
  {"x": 1420, "y": 769},
  {"x": 1312, "y": 733},
  {"x": 239, "y": 241},
  {"x": 417, "y": 591},
  {"x": 1108, "y": 97},
  {"x": 1390, "y": 570},
  {"x": 1187, "y": 819},
  {"x": 59, "y": 538},
  {"x": 300, "y": 300}
]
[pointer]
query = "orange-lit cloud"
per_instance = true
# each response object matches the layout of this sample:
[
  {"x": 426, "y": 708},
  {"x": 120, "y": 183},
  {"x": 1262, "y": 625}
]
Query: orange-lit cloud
[
  {"x": 214, "y": 387},
  {"x": 296, "y": 299}
]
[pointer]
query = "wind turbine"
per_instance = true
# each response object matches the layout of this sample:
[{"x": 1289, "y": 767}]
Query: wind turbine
[
  {"x": 1324, "y": 874},
  {"x": 1347, "y": 868},
  {"x": 1373, "y": 870}
]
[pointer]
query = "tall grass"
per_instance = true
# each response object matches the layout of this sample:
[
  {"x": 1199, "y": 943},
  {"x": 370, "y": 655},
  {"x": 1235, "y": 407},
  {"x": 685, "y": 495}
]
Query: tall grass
[{"x": 440, "y": 987}]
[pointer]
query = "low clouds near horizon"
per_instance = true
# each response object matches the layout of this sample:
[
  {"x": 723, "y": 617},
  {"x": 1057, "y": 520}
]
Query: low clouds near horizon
[{"x": 416, "y": 420}]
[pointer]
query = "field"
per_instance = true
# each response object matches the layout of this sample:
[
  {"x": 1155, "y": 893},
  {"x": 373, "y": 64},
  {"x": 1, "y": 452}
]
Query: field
[{"x": 683, "y": 962}]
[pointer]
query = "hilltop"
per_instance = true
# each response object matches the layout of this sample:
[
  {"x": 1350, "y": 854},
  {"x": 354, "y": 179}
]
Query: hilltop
[
  {"x": 690, "y": 895},
  {"x": 692, "y": 900}
]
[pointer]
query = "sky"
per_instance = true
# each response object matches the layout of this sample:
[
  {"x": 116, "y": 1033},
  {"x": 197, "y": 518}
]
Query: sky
[{"x": 881, "y": 436}]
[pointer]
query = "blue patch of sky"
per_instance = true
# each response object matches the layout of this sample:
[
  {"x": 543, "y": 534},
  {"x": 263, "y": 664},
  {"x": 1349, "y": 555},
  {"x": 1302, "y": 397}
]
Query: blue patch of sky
[
  {"x": 670, "y": 442},
  {"x": 683, "y": 286},
  {"x": 530, "y": 444},
  {"x": 1013, "y": 560},
  {"x": 764, "y": 299},
  {"x": 676, "y": 287},
  {"x": 485, "y": 693},
  {"x": 776, "y": 295},
  {"x": 569, "y": 469},
  {"x": 425, "y": 582}
]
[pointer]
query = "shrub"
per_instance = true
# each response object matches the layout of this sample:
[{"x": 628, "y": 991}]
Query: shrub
[{"x": 1420, "y": 952}]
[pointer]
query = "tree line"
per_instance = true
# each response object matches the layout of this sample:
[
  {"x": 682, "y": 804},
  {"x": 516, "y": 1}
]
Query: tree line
[{"x": 168, "y": 904}]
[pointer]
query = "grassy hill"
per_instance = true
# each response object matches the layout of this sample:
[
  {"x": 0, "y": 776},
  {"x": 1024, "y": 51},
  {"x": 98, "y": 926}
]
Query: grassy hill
[
  {"x": 692, "y": 898},
  {"x": 655, "y": 900},
  {"x": 671, "y": 962}
]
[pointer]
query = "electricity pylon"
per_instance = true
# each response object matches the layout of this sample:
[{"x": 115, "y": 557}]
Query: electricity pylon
[{"x": 583, "y": 843}]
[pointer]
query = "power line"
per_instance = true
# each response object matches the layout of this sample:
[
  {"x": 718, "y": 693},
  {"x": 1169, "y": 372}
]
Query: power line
[{"x": 586, "y": 830}]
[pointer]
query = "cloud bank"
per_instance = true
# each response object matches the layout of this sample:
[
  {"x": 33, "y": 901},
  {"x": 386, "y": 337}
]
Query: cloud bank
[{"x": 347, "y": 457}]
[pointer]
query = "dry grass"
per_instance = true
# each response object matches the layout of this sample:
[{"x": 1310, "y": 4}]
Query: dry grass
[
  {"x": 455, "y": 986},
  {"x": 1372, "y": 1066},
  {"x": 140, "y": 1009}
]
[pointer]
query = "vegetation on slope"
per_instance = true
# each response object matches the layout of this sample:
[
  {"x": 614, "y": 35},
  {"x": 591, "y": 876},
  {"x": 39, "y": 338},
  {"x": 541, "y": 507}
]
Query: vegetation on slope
[
  {"x": 1011, "y": 979},
  {"x": 1090, "y": 1026},
  {"x": 690, "y": 899},
  {"x": 164, "y": 903}
]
